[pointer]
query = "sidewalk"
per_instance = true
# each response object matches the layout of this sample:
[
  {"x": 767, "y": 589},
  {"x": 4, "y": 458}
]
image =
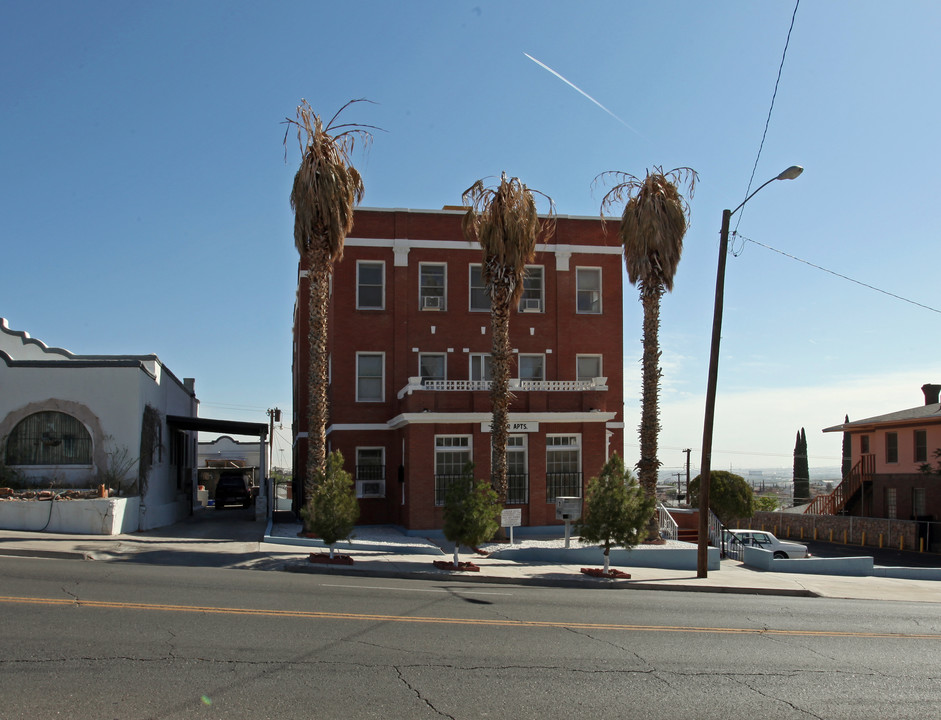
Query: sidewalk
[{"x": 385, "y": 553}]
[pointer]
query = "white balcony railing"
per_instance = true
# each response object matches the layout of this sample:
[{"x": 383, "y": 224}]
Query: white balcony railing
[{"x": 416, "y": 383}]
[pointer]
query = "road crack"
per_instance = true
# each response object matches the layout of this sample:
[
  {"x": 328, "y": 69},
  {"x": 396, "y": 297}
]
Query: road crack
[{"x": 418, "y": 694}]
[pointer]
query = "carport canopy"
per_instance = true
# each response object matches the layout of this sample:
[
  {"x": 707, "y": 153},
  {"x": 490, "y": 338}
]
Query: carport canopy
[{"x": 226, "y": 427}]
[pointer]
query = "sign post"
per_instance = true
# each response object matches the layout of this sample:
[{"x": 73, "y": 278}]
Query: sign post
[{"x": 510, "y": 519}]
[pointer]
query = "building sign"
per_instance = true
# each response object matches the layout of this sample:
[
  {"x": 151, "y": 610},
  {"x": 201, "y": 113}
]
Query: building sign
[
  {"x": 514, "y": 427},
  {"x": 511, "y": 518}
]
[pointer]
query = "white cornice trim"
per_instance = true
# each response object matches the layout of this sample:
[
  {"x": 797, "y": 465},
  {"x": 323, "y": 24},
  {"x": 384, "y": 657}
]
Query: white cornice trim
[
  {"x": 436, "y": 418},
  {"x": 404, "y": 244}
]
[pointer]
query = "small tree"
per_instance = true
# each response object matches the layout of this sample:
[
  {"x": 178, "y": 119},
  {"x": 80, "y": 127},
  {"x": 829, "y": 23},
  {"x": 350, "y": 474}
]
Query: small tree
[
  {"x": 616, "y": 511},
  {"x": 332, "y": 508},
  {"x": 471, "y": 512},
  {"x": 730, "y": 497},
  {"x": 765, "y": 503}
]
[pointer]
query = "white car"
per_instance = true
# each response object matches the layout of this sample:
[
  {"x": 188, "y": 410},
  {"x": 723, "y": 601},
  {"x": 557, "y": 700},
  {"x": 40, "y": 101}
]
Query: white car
[{"x": 767, "y": 541}]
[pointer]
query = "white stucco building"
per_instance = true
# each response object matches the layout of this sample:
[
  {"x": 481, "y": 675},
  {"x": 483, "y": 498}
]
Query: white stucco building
[{"x": 64, "y": 418}]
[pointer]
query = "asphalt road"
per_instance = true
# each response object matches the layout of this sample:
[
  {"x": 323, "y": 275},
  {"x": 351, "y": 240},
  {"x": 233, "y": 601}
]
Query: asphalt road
[{"x": 124, "y": 640}]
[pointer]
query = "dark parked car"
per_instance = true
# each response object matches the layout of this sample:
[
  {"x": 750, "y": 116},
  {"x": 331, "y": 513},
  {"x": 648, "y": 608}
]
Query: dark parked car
[{"x": 233, "y": 490}]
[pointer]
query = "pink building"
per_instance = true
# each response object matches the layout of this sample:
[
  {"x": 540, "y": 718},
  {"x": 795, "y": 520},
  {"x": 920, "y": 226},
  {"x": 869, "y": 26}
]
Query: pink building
[{"x": 889, "y": 456}]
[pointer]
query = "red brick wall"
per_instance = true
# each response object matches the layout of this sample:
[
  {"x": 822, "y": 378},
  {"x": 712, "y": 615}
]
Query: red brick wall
[{"x": 559, "y": 332}]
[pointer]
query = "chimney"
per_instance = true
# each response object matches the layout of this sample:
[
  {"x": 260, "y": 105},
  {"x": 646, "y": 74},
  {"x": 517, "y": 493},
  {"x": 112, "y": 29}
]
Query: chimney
[{"x": 931, "y": 393}]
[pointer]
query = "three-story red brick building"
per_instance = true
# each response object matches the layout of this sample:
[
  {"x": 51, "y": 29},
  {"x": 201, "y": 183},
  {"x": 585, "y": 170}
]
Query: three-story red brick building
[{"x": 410, "y": 365}]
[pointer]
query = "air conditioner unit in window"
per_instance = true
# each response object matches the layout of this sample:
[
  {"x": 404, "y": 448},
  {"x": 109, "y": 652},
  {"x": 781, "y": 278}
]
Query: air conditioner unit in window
[
  {"x": 370, "y": 488},
  {"x": 432, "y": 302},
  {"x": 532, "y": 305}
]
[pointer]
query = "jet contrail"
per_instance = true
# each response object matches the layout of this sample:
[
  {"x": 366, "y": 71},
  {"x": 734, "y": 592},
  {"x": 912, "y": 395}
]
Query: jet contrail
[{"x": 575, "y": 87}]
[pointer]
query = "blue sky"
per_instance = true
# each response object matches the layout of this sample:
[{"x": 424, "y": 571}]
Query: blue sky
[{"x": 144, "y": 189}]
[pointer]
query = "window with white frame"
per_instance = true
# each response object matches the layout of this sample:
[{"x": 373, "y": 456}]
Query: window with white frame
[
  {"x": 432, "y": 290},
  {"x": 431, "y": 366},
  {"x": 370, "y": 285},
  {"x": 370, "y": 377},
  {"x": 517, "y": 470},
  {"x": 891, "y": 504},
  {"x": 370, "y": 472},
  {"x": 587, "y": 367},
  {"x": 532, "y": 367},
  {"x": 533, "y": 297},
  {"x": 563, "y": 466},
  {"x": 452, "y": 454},
  {"x": 588, "y": 290},
  {"x": 481, "y": 366},
  {"x": 479, "y": 298}
]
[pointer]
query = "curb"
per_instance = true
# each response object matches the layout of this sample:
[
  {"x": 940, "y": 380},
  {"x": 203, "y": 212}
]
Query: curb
[
  {"x": 48, "y": 554},
  {"x": 583, "y": 583}
]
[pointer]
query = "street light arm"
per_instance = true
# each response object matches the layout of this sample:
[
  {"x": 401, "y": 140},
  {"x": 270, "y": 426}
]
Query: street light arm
[{"x": 789, "y": 174}]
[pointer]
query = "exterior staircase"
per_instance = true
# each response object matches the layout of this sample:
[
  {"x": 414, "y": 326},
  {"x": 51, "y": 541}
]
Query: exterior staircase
[{"x": 835, "y": 503}]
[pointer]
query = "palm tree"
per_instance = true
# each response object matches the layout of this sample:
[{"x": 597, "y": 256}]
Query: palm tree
[
  {"x": 653, "y": 224},
  {"x": 505, "y": 222},
  {"x": 326, "y": 190}
]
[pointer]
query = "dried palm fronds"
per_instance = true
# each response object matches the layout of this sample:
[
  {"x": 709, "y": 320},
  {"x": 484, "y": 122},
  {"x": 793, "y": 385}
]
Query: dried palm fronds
[
  {"x": 505, "y": 222},
  {"x": 653, "y": 223},
  {"x": 326, "y": 187}
]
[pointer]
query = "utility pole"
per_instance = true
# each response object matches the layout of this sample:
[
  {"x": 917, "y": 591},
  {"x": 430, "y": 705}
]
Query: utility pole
[
  {"x": 274, "y": 415},
  {"x": 687, "y": 451}
]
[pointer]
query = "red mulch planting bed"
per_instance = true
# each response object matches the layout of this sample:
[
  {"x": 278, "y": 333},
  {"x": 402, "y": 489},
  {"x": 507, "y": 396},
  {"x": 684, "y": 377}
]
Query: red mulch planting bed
[
  {"x": 463, "y": 567},
  {"x": 611, "y": 574},
  {"x": 327, "y": 560}
]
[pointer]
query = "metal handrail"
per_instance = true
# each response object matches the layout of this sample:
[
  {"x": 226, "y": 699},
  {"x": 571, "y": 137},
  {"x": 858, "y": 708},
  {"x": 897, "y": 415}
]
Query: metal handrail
[{"x": 669, "y": 530}]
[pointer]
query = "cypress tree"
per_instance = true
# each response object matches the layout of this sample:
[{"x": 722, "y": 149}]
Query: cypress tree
[
  {"x": 801, "y": 470},
  {"x": 847, "y": 452}
]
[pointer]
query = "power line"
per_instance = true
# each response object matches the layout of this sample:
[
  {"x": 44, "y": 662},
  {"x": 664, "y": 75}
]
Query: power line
[
  {"x": 839, "y": 275},
  {"x": 770, "y": 110}
]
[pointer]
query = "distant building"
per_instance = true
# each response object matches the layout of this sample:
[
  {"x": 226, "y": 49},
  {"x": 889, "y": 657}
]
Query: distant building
[
  {"x": 410, "y": 365},
  {"x": 888, "y": 454}
]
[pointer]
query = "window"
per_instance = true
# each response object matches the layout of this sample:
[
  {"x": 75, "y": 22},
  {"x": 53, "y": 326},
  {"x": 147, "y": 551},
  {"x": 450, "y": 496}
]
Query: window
[
  {"x": 587, "y": 367},
  {"x": 891, "y": 504},
  {"x": 49, "y": 438},
  {"x": 452, "y": 454},
  {"x": 432, "y": 286},
  {"x": 919, "y": 509},
  {"x": 532, "y": 367},
  {"x": 370, "y": 472},
  {"x": 431, "y": 366},
  {"x": 588, "y": 290},
  {"x": 481, "y": 366},
  {"x": 517, "y": 474},
  {"x": 370, "y": 377},
  {"x": 891, "y": 447},
  {"x": 563, "y": 466},
  {"x": 532, "y": 298},
  {"x": 479, "y": 298},
  {"x": 370, "y": 285},
  {"x": 864, "y": 444},
  {"x": 921, "y": 446}
]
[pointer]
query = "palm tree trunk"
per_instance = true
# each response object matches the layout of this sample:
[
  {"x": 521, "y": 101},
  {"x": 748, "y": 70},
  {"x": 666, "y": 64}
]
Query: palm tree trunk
[
  {"x": 647, "y": 467},
  {"x": 320, "y": 270},
  {"x": 500, "y": 388}
]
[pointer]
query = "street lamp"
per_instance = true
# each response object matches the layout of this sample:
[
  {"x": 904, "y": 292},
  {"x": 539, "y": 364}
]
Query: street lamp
[{"x": 702, "y": 550}]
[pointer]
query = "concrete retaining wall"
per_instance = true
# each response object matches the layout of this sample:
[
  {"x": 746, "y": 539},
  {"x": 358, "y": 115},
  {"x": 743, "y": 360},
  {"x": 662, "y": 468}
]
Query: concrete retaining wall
[
  {"x": 103, "y": 516},
  {"x": 669, "y": 558}
]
